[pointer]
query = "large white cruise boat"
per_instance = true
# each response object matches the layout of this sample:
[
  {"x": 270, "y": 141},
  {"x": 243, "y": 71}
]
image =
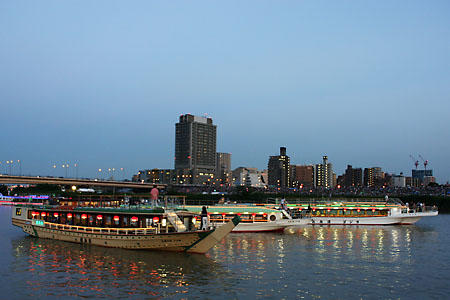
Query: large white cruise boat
[
  {"x": 254, "y": 218},
  {"x": 364, "y": 212}
]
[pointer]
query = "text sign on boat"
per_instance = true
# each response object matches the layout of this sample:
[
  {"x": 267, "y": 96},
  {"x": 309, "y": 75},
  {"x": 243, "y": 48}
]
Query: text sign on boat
[{"x": 38, "y": 223}]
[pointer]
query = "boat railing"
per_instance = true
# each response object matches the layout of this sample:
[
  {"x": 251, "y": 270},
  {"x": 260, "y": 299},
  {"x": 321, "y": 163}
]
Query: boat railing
[
  {"x": 314, "y": 201},
  {"x": 101, "y": 230},
  {"x": 422, "y": 209}
]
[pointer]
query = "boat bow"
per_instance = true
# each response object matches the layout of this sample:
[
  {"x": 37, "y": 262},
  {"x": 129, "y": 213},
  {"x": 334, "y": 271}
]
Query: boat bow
[{"x": 209, "y": 240}]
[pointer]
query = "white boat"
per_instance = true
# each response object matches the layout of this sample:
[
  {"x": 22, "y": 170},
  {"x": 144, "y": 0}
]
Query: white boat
[
  {"x": 390, "y": 212},
  {"x": 254, "y": 218}
]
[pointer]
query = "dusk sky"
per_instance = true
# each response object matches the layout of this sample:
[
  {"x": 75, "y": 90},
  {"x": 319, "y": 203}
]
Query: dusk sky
[{"x": 102, "y": 83}]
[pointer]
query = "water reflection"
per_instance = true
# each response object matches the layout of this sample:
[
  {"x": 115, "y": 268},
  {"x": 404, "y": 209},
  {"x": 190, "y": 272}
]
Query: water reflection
[{"x": 65, "y": 269}]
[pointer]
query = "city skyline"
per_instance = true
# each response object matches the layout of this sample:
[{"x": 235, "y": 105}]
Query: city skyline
[
  {"x": 103, "y": 85},
  {"x": 185, "y": 135}
]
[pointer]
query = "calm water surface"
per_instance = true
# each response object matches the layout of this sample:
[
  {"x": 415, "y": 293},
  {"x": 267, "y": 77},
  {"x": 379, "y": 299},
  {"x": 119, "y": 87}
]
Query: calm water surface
[{"x": 407, "y": 262}]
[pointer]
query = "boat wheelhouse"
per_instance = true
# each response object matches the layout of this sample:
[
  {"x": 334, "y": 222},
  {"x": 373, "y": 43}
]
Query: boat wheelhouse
[
  {"x": 254, "y": 218},
  {"x": 132, "y": 228}
]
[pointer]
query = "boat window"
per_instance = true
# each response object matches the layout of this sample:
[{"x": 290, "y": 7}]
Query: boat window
[
  {"x": 18, "y": 211},
  {"x": 91, "y": 220},
  {"x": 108, "y": 221}
]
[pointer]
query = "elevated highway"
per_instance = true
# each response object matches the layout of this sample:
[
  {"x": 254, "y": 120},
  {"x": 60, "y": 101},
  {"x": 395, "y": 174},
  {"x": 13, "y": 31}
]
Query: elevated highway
[{"x": 9, "y": 179}]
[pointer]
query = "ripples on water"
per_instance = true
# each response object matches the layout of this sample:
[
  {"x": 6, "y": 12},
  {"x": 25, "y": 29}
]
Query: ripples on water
[{"x": 309, "y": 262}]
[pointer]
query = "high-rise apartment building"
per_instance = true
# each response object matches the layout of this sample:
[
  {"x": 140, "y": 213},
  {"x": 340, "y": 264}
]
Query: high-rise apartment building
[
  {"x": 353, "y": 177},
  {"x": 323, "y": 174},
  {"x": 303, "y": 175},
  {"x": 373, "y": 177},
  {"x": 279, "y": 170},
  {"x": 195, "y": 148}
]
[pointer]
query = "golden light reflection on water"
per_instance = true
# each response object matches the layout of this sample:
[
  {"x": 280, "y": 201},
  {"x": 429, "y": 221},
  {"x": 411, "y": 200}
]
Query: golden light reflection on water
[{"x": 95, "y": 271}]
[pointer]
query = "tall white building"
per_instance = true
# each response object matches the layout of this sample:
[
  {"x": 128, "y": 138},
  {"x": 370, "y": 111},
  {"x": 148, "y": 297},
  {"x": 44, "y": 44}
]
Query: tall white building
[{"x": 323, "y": 174}]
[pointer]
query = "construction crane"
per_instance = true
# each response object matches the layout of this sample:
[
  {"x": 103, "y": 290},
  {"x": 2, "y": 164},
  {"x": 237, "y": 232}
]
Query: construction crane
[
  {"x": 425, "y": 162},
  {"x": 416, "y": 162}
]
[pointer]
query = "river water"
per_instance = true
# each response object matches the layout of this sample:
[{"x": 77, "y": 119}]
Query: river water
[{"x": 369, "y": 262}]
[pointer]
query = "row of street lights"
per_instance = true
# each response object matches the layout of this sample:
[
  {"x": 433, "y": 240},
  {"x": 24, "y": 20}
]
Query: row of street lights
[
  {"x": 102, "y": 172},
  {"x": 66, "y": 166},
  {"x": 111, "y": 172},
  {"x": 9, "y": 165}
]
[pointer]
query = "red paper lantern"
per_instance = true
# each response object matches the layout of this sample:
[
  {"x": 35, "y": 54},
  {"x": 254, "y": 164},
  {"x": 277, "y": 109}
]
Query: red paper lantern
[
  {"x": 116, "y": 218},
  {"x": 135, "y": 219},
  {"x": 155, "y": 219},
  {"x": 99, "y": 217},
  {"x": 43, "y": 214},
  {"x": 55, "y": 215},
  {"x": 69, "y": 215},
  {"x": 84, "y": 216}
]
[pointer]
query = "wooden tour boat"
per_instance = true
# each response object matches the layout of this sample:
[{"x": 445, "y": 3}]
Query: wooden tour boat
[{"x": 131, "y": 228}]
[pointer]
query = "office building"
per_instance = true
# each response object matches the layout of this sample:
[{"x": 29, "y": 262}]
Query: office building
[
  {"x": 352, "y": 177},
  {"x": 421, "y": 174},
  {"x": 373, "y": 177},
  {"x": 195, "y": 149},
  {"x": 303, "y": 176},
  {"x": 279, "y": 170},
  {"x": 223, "y": 167},
  {"x": 250, "y": 177}
]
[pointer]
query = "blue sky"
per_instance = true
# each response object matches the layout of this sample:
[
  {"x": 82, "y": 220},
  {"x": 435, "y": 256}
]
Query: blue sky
[{"x": 102, "y": 83}]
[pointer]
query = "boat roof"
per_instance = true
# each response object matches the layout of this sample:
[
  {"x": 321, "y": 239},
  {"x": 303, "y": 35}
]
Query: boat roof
[
  {"x": 232, "y": 209},
  {"x": 112, "y": 210}
]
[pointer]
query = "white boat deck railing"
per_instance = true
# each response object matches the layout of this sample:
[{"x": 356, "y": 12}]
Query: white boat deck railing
[
  {"x": 421, "y": 209},
  {"x": 101, "y": 230}
]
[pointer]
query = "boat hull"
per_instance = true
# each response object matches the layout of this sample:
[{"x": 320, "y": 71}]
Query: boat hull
[
  {"x": 254, "y": 227},
  {"x": 355, "y": 221},
  {"x": 400, "y": 219}
]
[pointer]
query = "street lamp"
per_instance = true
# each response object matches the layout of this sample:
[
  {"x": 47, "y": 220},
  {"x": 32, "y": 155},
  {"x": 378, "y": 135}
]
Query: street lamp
[
  {"x": 20, "y": 167},
  {"x": 76, "y": 170},
  {"x": 9, "y": 162}
]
